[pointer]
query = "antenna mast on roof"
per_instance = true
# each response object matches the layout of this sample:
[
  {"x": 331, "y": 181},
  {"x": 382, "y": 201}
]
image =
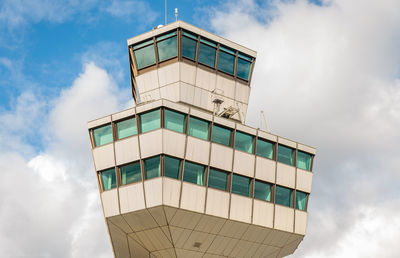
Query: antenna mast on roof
[{"x": 176, "y": 14}]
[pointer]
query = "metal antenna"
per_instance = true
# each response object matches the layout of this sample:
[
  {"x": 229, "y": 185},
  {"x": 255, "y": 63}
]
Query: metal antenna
[
  {"x": 265, "y": 121},
  {"x": 176, "y": 14},
  {"x": 165, "y": 12}
]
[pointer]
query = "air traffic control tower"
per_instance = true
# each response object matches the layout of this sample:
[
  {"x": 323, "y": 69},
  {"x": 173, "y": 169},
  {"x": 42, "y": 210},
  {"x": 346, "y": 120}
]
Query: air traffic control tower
[{"x": 180, "y": 174}]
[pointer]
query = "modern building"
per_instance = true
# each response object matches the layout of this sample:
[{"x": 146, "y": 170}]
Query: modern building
[{"x": 180, "y": 174}]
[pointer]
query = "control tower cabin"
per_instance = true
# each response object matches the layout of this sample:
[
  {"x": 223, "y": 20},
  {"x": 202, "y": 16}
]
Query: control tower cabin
[{"x": 180, "y": 174}]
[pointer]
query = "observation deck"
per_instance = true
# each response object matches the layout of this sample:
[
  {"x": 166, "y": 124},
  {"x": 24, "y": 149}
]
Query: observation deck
[{"x": 180, "y": 174}]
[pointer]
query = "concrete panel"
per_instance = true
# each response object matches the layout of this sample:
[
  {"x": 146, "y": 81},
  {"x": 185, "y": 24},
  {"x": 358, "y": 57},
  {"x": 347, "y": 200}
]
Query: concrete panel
[
  {"x": 197, "y": 150},
  {"x": 246, "y": 129},
  {"x": 210, "y": 224},
  {"x": 175, "y": 106},
  {"x": 171, "y": 92},
  {"x": 284, "y": 218},
  {"x": 304, "y": 180},
  {"x": 225, "y": 85},
  {"x": 265, "y": 169},
  {"x": 131, "y": 197},
  {"x": 200, "y": 114},
  {"x": 150, "y": 95},
  {"x": 119, "y": 240},
  {"x": 153, "y": 192},
  {"x": 168, "y": 74},
  {"x": 147, "y": 81},
  {"x": 287, "y": 142},
  {"x": 221, "y": 157},
  {"x": 104, "y": 157},
  {"x": 242, "y": 92},
  {"x": 300, "y": 224},
  {"x": 174, "y": 143},
  {"x": 285, "y": 175},
  {"x": 99, "y": 122},
  {"x": 127, "y": 150},
  {"x": 187, "y": 93},
  {"x": 151, "y": 143},
  {"x": 201, "y": 98},
  {"x": 188, "y": 73},
  {"x": 224, "y": 121},
  {"x": 241, "y": 208},
  {"x": 193, "y": 197},
  {"x": 171, "y": 192},
  {"x": 263, "y": 213},
  {"x": 267, "y": 136},
  {"x": 306, "y": 148},
  {"x": 205, "y": 79},
  {"x": 199, "y": 237},
  {"x": 141, "y": 108},
  {"x": 136, "y": 249},
  {"x": 123, "y": 114},
  {"x": 217, "y": 203},
  {"x": 110, "y": 202},
  {"x": 243, "y": 163}
]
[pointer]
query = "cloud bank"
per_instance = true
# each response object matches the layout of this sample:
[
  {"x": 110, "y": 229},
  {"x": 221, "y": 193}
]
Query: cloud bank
[{"x": 328, "y": 75}]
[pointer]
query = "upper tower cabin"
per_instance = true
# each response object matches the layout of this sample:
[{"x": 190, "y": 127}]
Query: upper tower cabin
[{"x": 183, "y": 63}]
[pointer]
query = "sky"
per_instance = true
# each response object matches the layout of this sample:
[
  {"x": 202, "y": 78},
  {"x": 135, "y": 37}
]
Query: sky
[{"x": 327, "y": 74}]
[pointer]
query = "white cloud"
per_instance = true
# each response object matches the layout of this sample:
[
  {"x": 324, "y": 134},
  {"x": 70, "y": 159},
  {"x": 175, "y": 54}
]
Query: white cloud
[
  {"x": 328, "y": 76},
  {"x": 49, "y": 204}
]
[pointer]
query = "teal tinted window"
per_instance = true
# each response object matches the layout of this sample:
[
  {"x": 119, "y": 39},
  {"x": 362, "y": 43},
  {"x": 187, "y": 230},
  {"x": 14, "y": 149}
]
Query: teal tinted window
[
  {"x": 301, "y": 200},
  {"x": 265, "y": 149},
  {"x": 226, "y": 60},
  {"x": 102, "y": 135},
  {"x": 221, "y": 135},
  {"x": 174, "y": 121},
  {"x": 152, "y": 167},
  {"x": 189, "y": 43},
  {"x": 285, "y": 155},
  {"x": 243, "y": 69},
  {"x": 207, "y": 53},
  {"x": 198, "y": 128},
  {"x": 145, "y": 56},
  {"x": 108, "y": 179},
  {"x": 303, "y": 160},
  {"x": 241, "y": 185},
  {"x": 126, "y": 128},
  {"x": 244, "y": 142},
  {"x": 172, "y": 167},
  {"x": 217, "y": 179},
  {"x": 193, "y": 173},
  {"x": 283, "y": 196},
  {"x": 262, "y": 191},
  {"x": 150, "y": 121},
  {"x": 167, "y": 48},
  {"x": 131, "y": 173}
]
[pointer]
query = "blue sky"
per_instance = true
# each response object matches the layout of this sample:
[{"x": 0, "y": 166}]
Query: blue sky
[{"x": 327, "y": 74}]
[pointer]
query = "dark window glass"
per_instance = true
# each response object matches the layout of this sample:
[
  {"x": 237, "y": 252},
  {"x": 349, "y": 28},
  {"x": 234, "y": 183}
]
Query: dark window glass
[
  {"x": 285, "y": 154},
  {"x": 150, "y": 121},
  {"x": 172, "y": 167},
  {"x": 189, "y": 46},
  {"x": 167, "y": 48},
  {"x": 193, "y": 173},
  {"x": 152, "y": 167},
  {"x": 174, "y": 121},
  {"x": 262, "y": 191},
  {"x": 108, "y": 179},
  {"x": 221, "y": 135},
  {"x": 102, "y": 135},
  {"x": 243, "y": 69},
  {"x": 303, "y": 160},
  {"x": 198, "y": 128},
  {"x": 131, "y": 173},
  {"x": 301, "y": 200},
  {"x": 244, "y": 142},
  {"x": 226, "y": 60},
  {"x": 145, "y": 56},
  {"x": 265, "y": 149},
  {"x": 207, "y": 53},
  {"x": 241, "y": 185},
  {"x": 217, "y": 179},
  {"x": 283, "y": 196},
  {"x": 126, "y": 128}
]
